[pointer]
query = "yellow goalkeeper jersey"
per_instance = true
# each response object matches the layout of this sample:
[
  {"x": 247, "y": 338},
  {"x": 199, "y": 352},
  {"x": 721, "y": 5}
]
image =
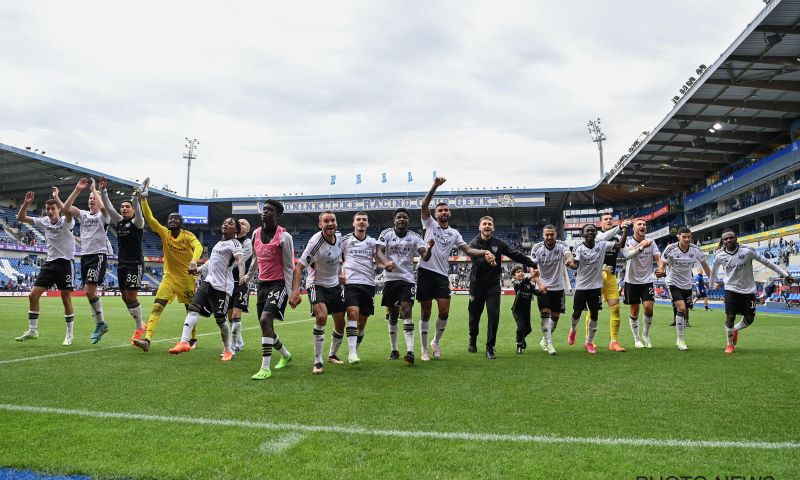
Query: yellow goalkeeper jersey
[{"x": 178, "y": 251}]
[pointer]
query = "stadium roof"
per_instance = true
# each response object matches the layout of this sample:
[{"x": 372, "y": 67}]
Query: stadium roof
[{"x": 752, "y": 92}]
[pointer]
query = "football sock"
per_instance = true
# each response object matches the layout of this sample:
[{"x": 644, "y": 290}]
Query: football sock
[
  {"x": 614, "y": 323},
  {"x": 266, "y": 351},
  {"x": 135, "y": 309},
  {"x": 592, "y": 331},
  {"x": 97, "y": 308},
  {"x": 152, "y": 322},
  {"x": 69, "y": 319},
  {"x": 188, "y": 325},
  {"x": 319, "y": 340},
  {"x": 634, "y": 321},
  {"x": 336, "y": 342},
  {"x": 278, "y": 345},
  {"x": 648, "y": 322},
  {"x": 441, "y": 324},
  {"x": 225, "y": 333},
  {"x": 680, "y": 326},
  {"x": 408, "y": 332},
  {"x": 393, "y": 333},
  {"x": 352, "y": 335},
  {"x": 424, "y": 324},
  {"x": 33, "y": 321}
]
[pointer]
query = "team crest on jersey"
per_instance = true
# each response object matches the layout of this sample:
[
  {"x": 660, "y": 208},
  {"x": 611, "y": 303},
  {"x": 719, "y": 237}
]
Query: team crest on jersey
[{"x": 494, "y": 248}]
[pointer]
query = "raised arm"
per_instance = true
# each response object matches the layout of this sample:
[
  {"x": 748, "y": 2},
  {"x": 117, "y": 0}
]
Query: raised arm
[
  {"x": 149, "y": 218},
  {"x": 81, "y": 186},
  {"x": 22, "y": 215},
  {"x": 425, "y": 210},
  {"x": 112, "y": 213},
  {"x": 99, "y": 200},
  {"x": 138, "y": 218},
  {"x": 775, "y": 268}
]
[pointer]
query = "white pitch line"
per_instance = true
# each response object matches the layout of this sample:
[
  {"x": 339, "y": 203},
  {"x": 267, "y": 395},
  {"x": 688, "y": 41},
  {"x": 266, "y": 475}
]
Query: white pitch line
[
  {"x": 413, "y": 434},
  {"x": 88, "y": 350}
]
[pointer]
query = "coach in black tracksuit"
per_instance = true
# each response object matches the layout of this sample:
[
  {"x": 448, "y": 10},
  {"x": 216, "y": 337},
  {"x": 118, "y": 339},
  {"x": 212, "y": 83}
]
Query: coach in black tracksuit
[{"x": 484, "y": 285}]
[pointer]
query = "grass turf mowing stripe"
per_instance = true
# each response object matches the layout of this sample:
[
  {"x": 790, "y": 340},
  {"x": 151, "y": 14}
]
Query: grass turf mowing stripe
[
  {"x": 75, "y": 352},
  {"x": 467, "y": 436}
]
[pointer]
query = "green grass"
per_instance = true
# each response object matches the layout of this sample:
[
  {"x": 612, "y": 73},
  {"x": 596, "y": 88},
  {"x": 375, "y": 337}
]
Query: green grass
[{"x": 661, "y": 393}]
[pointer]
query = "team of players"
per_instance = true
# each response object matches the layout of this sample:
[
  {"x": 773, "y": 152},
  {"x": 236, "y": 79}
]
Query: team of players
[{"x": 341, "y": 277}]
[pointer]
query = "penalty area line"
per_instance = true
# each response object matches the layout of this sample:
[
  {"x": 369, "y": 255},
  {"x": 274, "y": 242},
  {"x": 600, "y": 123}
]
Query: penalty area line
[
  {"x": 412, "y": 434},
  {"x": 88, "y": 350}
]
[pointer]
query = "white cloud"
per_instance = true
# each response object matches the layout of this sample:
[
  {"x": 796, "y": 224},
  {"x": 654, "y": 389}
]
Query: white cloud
[{"x": 281, "y": 96}]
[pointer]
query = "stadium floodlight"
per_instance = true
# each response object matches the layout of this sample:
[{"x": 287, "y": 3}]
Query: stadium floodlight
[
  {"x": 718, "y": 126},
  {"x": 597, "y": 137},
  {"x": 711, "y": 130},
  {"x": 191, "y": 146}
]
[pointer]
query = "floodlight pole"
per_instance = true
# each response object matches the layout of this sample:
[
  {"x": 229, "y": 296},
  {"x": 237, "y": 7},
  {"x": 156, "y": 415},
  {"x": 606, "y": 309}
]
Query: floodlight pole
[
  {"x": 191, "y": 146},
  {"x": 597, "y": 137}
]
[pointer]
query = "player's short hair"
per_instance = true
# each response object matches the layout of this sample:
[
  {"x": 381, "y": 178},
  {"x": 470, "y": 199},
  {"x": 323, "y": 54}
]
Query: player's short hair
[
  {"x": 549, "y": 226},
  {"x": 244, "y": 221},
  {"x": 400, "y": 210},
  {"x": 278, "y": 205},
  {"x": 51, "y": 201},
  {"x": 728, "y": 230},
  {"x": 583, "y": 229},
  {"x": 684, "y": 230},
  {"x": 515, "y": 269},
  {"x": 238, "y": 227},
  {"x": 606, "y": 213},
  {"x": 639, "y": 219},
  {"x": 360, "y": 213},
  {"x": 486, "y": 217},
  {"x": 442, "y": 203},
  {"x": 326, "y": 212},
  {"x": 177, "y": 215},
  {"x": 126, "y": 201}
]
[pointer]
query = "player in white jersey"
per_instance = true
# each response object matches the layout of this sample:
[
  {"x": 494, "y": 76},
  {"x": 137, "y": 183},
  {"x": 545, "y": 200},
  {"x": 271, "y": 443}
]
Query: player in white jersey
[
  {"x": 641, "y": 253},
  {"x": 740, "y": 286},
  {"x": 677, "y": 261},
  {"x": 94, "y": 249},
  {"x": 588, "y": 262},
  {"x": 550, "y": 255},
  {"x": 214, "y": 293},
  {"x": 58, "y": 270},
  {"x": 359, "y": 250},
  {"x": 432, "y": 279},
  {"x": 241, "y": 293},
  {"x": 401, "y": 245},
  {"x": 324, "y": 252}
]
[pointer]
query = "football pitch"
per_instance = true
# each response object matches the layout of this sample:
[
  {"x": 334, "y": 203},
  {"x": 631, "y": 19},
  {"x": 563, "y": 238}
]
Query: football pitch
[{"x": 112, "y": 411}]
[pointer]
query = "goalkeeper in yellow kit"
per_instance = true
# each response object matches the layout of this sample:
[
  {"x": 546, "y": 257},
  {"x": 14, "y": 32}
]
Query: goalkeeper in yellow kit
[{"x": 181, "y": 252}]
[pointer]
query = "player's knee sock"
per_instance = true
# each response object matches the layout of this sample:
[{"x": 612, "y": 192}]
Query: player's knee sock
[
  {"x": 441, "y": 324},
  {"x": 680, "y": 327},
  {"x": 152, "y": 321},
  {"x": 33, "y": 321},
  {"x": 547, "y": 333},
  {"x": 352, "y": 335},
  {"x": 236, "y": 331},
  {"x": 319, "y": 340},
  {"x": 359, "y": 337},
  {"x": 744, "y": 323},
  {"x": 634, "y": 321},
  {"x": 266, "y": 351},
  {"x": 575, "y": 319},
  {"x": 336, "y": 342},
  {"x": 225, "y": 333},
  {"x": 188, "y": 325},
  {"x": 393, "y": 334},
  {"x": 194, "y": 333},
  {"x": 278, "y": 345},
  {"x": 70, "y": 320},
  {"x": 613, "y": 327},
  {"x": 424, "y": 325},
  {"x": 729, "y": 328},
  {"x": 648, "y": 322},
  {"x": 135, "y": 310},
  {"x": 408, "y": 333},
  {"x": 553, "y": 325},
  {"x": 97, "y": 308},
  {"x": 592, "y": 330}
]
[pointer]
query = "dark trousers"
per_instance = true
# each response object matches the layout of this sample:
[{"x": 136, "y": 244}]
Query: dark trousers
[
  {"x": 523, "y": 320},
  {"x": 476, "y": 303}
]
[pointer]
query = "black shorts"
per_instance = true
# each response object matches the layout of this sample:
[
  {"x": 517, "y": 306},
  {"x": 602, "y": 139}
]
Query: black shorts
[
  {"x": 332, "y": 297},
  {"x": 93, "y": 268},
  {"x": 431, "y": 285},
  {"x": 636, "y": 293},
  {"x": 554, "y": 300},
  {"x": 740, "y": 303},
  {"x": 59, "y": 272},
  {"x": 361, "y": 296},
  {"x": 211, "y": 301},
  {"x": 240, "y": 297},
  {"x": 678, "y": 294},
  {"x": 396, "y": 292},
  {"x": 702, "y": 294},
  {"x": 272, "y": 297},
  {"x": 130, "y": 276},
  {"x": 591, "y": 299}
]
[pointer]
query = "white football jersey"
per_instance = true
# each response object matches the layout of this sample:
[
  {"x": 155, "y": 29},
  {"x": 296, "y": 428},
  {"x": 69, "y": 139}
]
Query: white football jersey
[
  {"x": 445, "y": 239},
  {"x": 639, "y": 268},
  {"x": 680, "y": 264},
  {"x": 551, "y": 264},
  {"x": 325, "y": 257},
  {"x": 738, "y": 266},
  {"x": 401, "y": 250},
  {"x": 590, "y": 264},
  {"x": 219, "y": 270},
  {"x": 94, "y": 238},
  {"x": 358, "y": 254},
  {"x": 58, "y": 236}
]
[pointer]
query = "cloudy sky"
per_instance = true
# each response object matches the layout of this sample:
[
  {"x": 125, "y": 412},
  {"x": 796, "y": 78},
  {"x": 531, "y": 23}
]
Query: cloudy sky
[{"x": 282, "y": 95}]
